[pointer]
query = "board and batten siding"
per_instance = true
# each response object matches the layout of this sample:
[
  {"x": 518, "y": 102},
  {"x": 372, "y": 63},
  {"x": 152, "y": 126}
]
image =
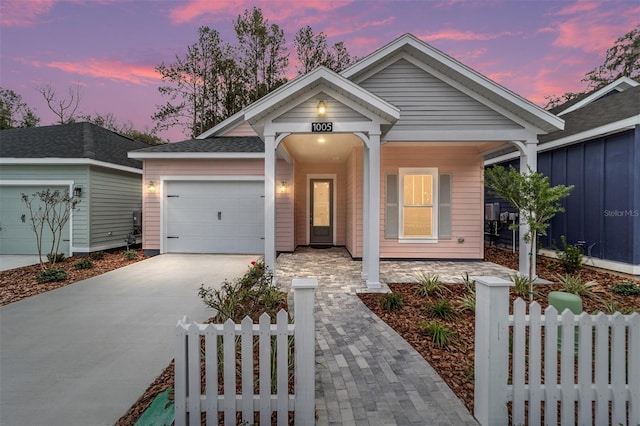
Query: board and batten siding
[
  {"x": 336, "y": 112},
  {"x": 113, "y": 197},
  {"x": 79, "y": 174},
  {"x": 157, "y": 169},
  {"x": 464, "y": 165},
  {"x": 426, "y": 102}
]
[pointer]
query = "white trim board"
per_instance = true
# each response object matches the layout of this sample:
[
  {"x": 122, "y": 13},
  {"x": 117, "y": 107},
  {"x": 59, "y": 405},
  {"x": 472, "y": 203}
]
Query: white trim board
[{"x": 70, "y": 161}]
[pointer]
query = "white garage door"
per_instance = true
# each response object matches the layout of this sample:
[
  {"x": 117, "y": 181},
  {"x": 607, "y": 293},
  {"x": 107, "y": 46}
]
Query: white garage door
[
  {"x": 16, "y": 234},
  {"x": 214, "y": 217}
]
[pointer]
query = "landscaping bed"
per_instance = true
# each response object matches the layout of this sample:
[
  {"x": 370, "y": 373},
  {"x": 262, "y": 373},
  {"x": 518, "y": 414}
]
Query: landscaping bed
[
  {"x": 20, "y": 283},
  {"x": 454, "y": 362}
]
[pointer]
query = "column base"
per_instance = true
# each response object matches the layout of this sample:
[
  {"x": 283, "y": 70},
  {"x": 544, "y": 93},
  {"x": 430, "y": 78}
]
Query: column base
[{"x": 373, "y": 284}]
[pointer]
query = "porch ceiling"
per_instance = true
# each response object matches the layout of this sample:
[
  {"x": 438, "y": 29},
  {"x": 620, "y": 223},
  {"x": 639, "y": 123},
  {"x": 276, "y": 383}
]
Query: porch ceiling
[{"x": 320, "y": 147}]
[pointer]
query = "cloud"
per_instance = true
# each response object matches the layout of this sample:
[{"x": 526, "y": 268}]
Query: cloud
[
  {"x": 578, "y": 7},
  {"x": 453, "y": 34},
  {"x": 21, "y": 13},
  {"x": 108, "y": 69},
  {"x": 352, "y": 29}
]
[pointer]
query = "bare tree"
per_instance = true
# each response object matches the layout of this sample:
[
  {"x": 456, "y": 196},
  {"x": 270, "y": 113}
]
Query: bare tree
[{"x": 64, "y": 108}]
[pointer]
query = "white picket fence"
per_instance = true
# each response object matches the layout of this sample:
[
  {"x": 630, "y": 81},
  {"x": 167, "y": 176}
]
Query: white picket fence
[
  {"x": 597, "y": 377},
  {"x": 190, "y": 402}
]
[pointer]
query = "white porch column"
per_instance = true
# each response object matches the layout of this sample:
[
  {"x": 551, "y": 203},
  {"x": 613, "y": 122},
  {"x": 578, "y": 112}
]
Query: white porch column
[
  {"x": 528, "y": 160},
  {"x": 270, "y": 203},
  {"x": 372, "y": 227},
  {"x": 365, "y": 212}
]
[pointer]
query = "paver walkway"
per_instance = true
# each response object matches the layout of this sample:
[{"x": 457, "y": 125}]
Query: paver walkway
[{"x": 366, "y": 374}]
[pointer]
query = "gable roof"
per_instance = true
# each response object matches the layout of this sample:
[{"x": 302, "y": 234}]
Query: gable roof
[
  {"x": 620, "y": 85},
  {"x": 251, "y": 146},
  {"x": 69, "y": 141},
  {"x": 462, "y": 75}
]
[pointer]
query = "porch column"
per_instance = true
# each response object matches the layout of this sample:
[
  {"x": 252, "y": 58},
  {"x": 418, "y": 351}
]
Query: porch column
[
  {"x": 270, "y": 203},
  {"x": 528, "y": 160},
  {"x": 365, "y": 212},
  {"x": 373, "y": 222}
]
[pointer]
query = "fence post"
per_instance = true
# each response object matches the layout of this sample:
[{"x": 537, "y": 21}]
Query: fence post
[
  {"x": 491, "y": 350},
  {"x": 305, "y": 349}
]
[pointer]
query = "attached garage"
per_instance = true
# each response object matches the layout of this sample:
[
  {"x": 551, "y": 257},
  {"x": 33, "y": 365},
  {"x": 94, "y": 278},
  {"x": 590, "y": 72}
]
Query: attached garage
[
  {"x": 16, "y": 234},
  {"x": 214, "y": 216}
]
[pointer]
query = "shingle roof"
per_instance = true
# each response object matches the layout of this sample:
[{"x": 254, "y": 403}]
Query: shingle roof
[
  {"x": 606, "y": 110},
  {"x": 74, "y": 140},
  {"x": 229, "y": 144}
]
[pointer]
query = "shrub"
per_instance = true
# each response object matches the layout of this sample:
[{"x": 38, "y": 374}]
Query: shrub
[
  {"x": 391, "y": 301},
  {"x": 441, "y": 309},
  {"x": 55, "y": 258},
  {"x": 130, "y": 254},
  {"x": 439, "y": 333},
  {"x": 575, "y": 285},
  {"x": 521, "y": 285},
  {"x": 428, "y": 284},
  {"x": 51, "y": 275},
  {"x": 625, "y": 289},
  {"x": 96, "y": 255},
  {"x": 468, "y": 303},
  {"x": 84, "y": 264},
  {"x": 569, "y": 256}
]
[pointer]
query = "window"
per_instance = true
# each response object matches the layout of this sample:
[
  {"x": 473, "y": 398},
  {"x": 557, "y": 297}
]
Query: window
[{"x": 417, "y": 205}]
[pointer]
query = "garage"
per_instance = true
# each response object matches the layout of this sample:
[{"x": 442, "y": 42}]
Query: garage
[
  {"x": 16, "y": 235},
  {"x": 214, "y": 217}
]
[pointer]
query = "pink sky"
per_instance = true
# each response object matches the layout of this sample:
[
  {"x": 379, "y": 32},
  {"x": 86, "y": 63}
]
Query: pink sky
[{"x": 111, "y": 47}]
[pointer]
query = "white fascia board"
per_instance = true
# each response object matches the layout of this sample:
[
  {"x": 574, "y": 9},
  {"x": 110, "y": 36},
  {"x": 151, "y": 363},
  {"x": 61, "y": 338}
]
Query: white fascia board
[
  {"x": 384, "y": 108},
  {"x": 227, "y": 124},
  {"x": 459, "y": 68},
  {"x": 458, "y": 135},
  {"x": 70, "y": 161},
  {"x": 195, "y": 155},
  {"x": 622, "y": 83},
  {"x": 35, "y": 182}
]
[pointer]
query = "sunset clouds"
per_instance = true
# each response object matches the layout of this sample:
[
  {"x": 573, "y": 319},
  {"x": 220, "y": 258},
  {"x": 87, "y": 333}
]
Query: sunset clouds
[
  {"x": 107, "y": 69},
  {"x": 21, "y": 13}
]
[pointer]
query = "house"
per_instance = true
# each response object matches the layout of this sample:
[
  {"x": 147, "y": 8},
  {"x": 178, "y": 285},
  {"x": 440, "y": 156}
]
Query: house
[
  {"x": 599, "y": 153},
  {"x": 82, "y": 159},
  {"x": 384, "y": 158}
]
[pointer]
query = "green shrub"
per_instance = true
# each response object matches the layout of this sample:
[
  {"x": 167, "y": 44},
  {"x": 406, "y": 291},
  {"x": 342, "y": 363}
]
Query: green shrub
[
  {"x": 440, "y": 334},
  {"x": 569, "y": 256},
  {"x": 521, "y": 285},
  {"x": 96, "y": 255},
  {"x": 574, "y": 284},
  {"x": 130, "y": 254},
  {"x": 51, "y": 275},
  {"x": 626, "y": 289},
  {"x": 85, "y": 263},
  {"x": 391, "y": 301},
  {"x": 441, "y": 309},
  {"x": 55, "y": 258},
  {"x": 428, "y": 284}
]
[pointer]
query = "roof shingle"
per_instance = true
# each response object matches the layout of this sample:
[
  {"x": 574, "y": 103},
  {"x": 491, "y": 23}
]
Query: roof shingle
[{"x": 225, "y": 144}]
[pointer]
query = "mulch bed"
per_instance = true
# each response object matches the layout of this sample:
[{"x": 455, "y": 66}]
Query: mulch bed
[
  {"x": 455, "y": 362},
  {"x": 20, "y": 283}
]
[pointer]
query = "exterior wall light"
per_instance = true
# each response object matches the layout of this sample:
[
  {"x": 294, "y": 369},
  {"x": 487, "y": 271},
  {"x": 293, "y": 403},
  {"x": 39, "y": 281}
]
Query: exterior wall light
[
  {"x": 283, "y": 187},
  {"x": 151, "y": 186},
  {"x": 77, "y": 191},
  {"x": 321, "y": 108}
]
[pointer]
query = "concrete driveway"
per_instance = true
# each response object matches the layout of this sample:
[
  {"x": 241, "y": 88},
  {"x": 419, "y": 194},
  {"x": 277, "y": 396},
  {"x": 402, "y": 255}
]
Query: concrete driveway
[{"x": 82, "y": 354}]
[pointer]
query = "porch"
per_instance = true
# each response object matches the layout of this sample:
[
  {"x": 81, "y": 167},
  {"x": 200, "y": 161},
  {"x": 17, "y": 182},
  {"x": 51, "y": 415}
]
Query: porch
[{"x": 366, "y": 373}]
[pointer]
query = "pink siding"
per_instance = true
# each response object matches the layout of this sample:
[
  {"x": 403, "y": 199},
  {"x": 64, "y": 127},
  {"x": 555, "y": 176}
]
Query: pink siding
[
  {"x": 302, "y": 170},
  {"x": 464, "y": 164},
  {"x": 155, "y": 170},
  {"x": 353, "y": 208},
  {"x": 243, "y": 129}
]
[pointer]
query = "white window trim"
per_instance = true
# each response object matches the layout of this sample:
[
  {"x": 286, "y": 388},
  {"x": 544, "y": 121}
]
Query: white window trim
[{"x": 402, "y": 172}]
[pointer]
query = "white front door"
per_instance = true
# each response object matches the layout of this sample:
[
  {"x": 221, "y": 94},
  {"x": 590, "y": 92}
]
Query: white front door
[{"x": 214, "y": 217}]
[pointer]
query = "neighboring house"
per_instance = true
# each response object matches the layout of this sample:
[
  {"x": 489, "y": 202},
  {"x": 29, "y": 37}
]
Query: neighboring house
[
  {"x": 599, "y": 153},
  {"x": 79, "y": 158},
  {"x": 384, "y": 158}
]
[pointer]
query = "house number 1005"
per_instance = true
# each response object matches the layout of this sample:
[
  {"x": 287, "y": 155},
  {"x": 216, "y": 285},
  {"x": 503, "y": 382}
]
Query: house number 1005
[{"x": 321, "y": 127}]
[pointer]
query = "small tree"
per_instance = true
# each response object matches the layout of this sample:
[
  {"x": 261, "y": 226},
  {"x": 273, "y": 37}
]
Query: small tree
[
  {"x": 533, "y": 196},
  {"x": 50, "y": 212}
]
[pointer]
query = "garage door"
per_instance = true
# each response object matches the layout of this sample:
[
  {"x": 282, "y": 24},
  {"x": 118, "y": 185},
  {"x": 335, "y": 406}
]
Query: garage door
[
  {"x": 16, "y": 235},
  {"x": 214, "y": 217}
]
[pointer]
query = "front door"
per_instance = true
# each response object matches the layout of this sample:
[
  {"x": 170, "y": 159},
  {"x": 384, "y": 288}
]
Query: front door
[{"x": 321, "y": 208}]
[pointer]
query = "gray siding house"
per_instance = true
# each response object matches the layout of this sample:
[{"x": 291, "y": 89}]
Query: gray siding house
[{"x": 83, "y": 159}]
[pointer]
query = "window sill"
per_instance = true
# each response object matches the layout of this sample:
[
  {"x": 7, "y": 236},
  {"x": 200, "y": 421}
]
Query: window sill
[{"x": 405, "y": 240}]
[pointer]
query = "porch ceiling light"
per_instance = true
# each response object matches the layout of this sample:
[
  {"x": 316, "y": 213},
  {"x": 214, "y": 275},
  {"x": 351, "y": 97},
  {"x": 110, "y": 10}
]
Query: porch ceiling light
[{"x": 322, "y": 108}]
